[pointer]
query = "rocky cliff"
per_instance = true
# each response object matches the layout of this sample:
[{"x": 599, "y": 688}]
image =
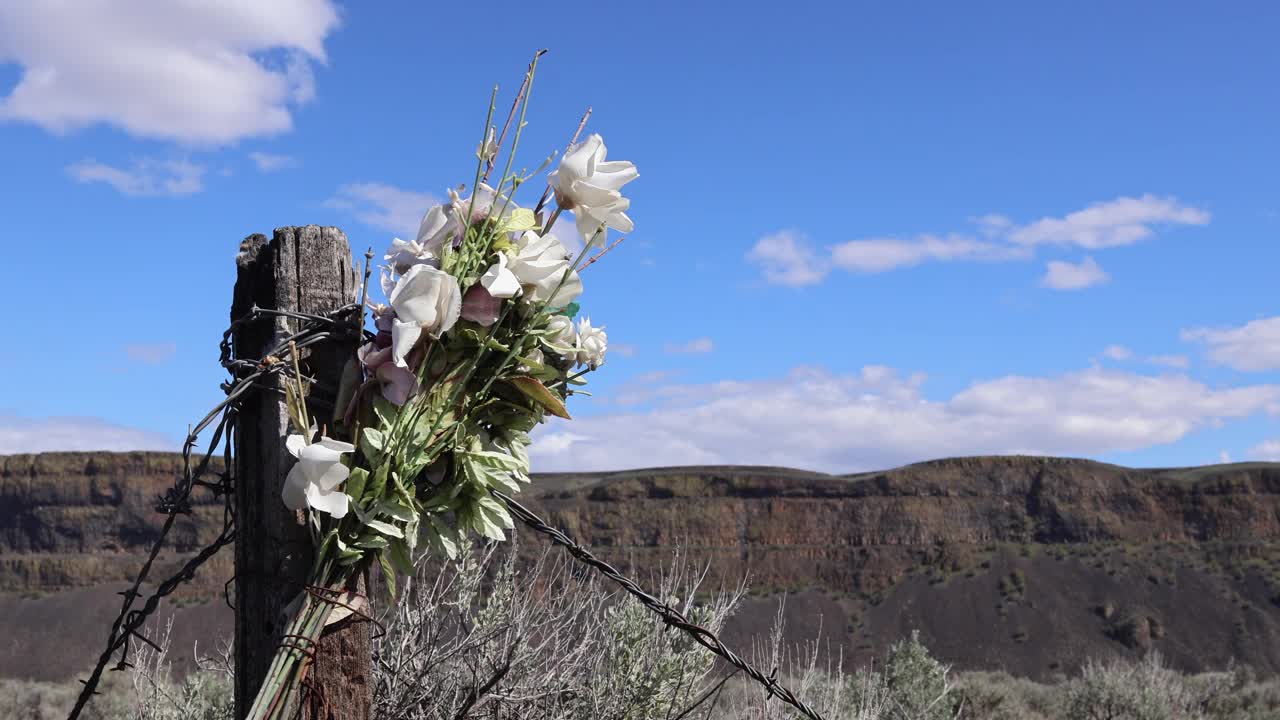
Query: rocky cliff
[{"x": 1026, "y": 563}]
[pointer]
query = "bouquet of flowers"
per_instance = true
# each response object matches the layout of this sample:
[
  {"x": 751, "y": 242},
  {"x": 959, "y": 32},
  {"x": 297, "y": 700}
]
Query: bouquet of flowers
[{"x": 479, "y": 340}]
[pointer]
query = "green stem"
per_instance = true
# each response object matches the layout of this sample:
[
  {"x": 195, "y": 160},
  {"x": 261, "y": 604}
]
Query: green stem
[{"x": 277, "y": 696}]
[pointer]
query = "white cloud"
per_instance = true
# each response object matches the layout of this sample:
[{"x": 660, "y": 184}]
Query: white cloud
[
  {"x": 1268, "y": 451},
  {"x": 788, "y": 259},
  {"x": 878, "y": 418},
  {"x": 626, "y": 350},
  {"x": 1180, "y": 362},
  {"x": 696, "y": 346},
  {"x": 199, "y": 72},
  {"x": 34, "y": 435},
  {"x": 882, "y": 254},
  {"x": 1252, "y": 347},
  {"x": 1118, "y": 352},
  {"x": 1122, "y": 221},
  {"x": 151, "y": 353},
  {"x": 1062, "y": 275},
  {"x": 1121, "y": 353},
  {"x": 267, "y": 162},
  {"x": 147, "y": 176},
  {"x": 384, "y": 206},
  {"x": 1224, "y": 457}
]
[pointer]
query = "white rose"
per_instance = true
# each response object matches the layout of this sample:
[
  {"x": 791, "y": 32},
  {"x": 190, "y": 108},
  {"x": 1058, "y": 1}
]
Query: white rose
[
  {"x": 592, "y": 343},
  {"x": 313, "y": 480},
  {"x": 560, "y": 334},
  {"x": 535, "y": 355},
  {"x": 424, "y": 299},
  {"x": 539, "y": 263},
  {"x": 591, "y": 187}
]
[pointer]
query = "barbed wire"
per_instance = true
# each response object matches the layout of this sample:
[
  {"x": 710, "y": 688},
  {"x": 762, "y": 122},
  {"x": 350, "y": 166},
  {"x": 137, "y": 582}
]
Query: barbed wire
[
  {"x": 246, "y": 375},
  {"x": 671, "y": 616}
]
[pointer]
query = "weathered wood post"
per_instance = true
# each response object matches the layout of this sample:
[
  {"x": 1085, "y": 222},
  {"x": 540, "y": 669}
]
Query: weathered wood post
[{"x": 304, "y": 269}]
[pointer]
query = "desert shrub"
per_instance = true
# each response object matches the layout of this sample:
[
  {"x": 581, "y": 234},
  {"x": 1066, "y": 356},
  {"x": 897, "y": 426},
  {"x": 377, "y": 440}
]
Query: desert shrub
[
  {"x": 1238, "y": 694},
  {"x": 917, "y": 684},
  {"x": 491, "y": 639},
  {"x": 148, "y": 691},
  {"x": 479, "y": 639},
  {"x": 1126, "y": 690},
  {"x": 823, "y": 685},
  {"x": 1000, "y": 696},
  {"x": 35, "y": 700},
  {"x": 205, "y": 693}
]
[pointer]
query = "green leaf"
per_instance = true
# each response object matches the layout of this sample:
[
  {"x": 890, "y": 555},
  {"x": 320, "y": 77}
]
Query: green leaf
[
  {"x": 443, "y": 538},
  {"x": 388, "y": 574},
  {"x": 376, "y": 484},
  {"x": 385, "y": 411},
  {"x": 356, "y": 482},
  {"x": 497, "y": 512},
  {"x": 537, "y": 392},
  {"x": 486, "y": 526},
  {"x": 385, "y": 528},
  {"x": 395, "y": 510},
  {"x": 371, "y": 542},
  {"x": 373, "y": 438},
  {"x": 399, "y": 556},
  {"x": 488, "y": 469},
  {"x": 521, "y": 219}
]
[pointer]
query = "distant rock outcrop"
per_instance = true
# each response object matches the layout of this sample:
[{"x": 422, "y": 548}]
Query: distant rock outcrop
[{"x": 1025, "y": 563}]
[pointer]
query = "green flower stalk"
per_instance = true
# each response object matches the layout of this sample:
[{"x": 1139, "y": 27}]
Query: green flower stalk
[{"x": 475, "y": 346}]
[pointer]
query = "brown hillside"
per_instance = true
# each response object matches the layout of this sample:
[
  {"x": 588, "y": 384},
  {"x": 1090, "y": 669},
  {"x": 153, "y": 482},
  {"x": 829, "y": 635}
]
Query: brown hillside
[{"x": 1026, "y": 563}]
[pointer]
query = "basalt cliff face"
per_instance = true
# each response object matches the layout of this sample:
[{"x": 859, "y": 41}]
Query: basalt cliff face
[{"x": 1025, "y": 563}]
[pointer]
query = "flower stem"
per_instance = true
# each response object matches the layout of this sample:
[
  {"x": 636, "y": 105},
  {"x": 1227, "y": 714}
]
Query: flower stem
[{"x": 278, "y": 696}]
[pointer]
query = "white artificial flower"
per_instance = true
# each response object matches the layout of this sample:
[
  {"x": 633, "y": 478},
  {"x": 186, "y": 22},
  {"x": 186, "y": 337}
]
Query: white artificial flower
[
  {"x": 592, "y": 343},
  {"x": 499, "y": 280},
  {"x": 590, "y": 186},
  {"x": 425, "y": 299},
  {"x": 589, "y": 220},
  {"x": 443, "y": 224},
  {"x": 314, "y": 479},
  {"x": 439, "y": 226},
  {"x": 404, "y": 254},
  {"x": 481, "y": 204},
  {"x": 539, "y": 263},
  {"x": 535, "y": 355},
  {"x": 560, "y": 333}
]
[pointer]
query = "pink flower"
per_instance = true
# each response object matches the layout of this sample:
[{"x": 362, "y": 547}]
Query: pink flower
[
  {"x": 398, "y": 384},
  {"x": 479, "y": 306},
  {"x": 373, "y": 356}
]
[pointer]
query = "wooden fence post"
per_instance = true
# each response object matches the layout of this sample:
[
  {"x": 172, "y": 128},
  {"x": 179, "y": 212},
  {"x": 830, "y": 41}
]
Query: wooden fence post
[{"x": 305, "y": 269}]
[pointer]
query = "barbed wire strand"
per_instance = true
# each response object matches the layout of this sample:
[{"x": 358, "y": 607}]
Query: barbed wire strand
[
  {"x": 246, "y": 375},
  {"x": 671, "y": 616}
]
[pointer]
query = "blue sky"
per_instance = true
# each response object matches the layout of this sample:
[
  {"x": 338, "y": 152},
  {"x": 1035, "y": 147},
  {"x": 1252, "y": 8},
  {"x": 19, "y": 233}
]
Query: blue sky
[{"x": 866, "y": 234}]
